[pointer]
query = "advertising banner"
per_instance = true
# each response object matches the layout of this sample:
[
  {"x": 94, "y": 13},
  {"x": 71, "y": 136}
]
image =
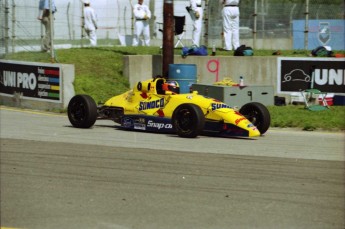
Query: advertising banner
[
  {"x": 320, "y": 33},
  {"x": 324, "y": 74},
  {"x": 42, "y": 82}
]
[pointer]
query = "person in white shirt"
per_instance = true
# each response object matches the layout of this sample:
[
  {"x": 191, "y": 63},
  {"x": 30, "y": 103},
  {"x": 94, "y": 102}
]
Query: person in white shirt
[
  {"x": 90, "y": 22},
  {"x": 231, "y": 24},
  {"x": 142, "y": 15},
  {"x": 44, "y": 17},
  {"x": 196, "y": 14}
]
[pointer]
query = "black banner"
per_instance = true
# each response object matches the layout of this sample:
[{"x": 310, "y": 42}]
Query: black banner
[
  {"x": 34, "y": 81},
  {"x": 326, "y": 75}
]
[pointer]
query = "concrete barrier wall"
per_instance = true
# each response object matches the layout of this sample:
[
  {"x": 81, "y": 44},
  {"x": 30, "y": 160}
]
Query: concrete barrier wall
[
  {"x": 18, "y": 98},
  {"x": 210, "y": 69}
]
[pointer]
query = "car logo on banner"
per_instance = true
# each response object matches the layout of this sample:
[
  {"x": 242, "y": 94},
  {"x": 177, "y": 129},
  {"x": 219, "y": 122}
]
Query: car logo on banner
[
  {"x": 296, "y": 75},
  {"x": 324, "y": 32}
]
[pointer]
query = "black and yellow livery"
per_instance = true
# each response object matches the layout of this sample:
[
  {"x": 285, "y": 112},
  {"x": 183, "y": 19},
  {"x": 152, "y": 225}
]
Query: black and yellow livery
[{"x": 152, "y": 106}]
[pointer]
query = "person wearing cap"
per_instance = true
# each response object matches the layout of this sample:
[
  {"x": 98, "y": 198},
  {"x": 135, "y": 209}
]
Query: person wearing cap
[
  {"x": 44, "y": 17},
  {"x": 231, "y": 24},
  {"x": 142, "y": 15},
  {"x": 196, "y": 14},
  {"x": 90, "y": 22}
]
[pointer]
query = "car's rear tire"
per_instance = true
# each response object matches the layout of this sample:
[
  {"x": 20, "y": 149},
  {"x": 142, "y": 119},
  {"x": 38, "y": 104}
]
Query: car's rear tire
[
  {"x": 82, "y": 111},
  {"x": 257, "y": 114},
  {"x": 188, "y": 120}
]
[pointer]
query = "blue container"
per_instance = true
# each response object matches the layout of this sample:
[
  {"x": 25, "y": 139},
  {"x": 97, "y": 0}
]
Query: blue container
[{"x": 184, "y": 74}]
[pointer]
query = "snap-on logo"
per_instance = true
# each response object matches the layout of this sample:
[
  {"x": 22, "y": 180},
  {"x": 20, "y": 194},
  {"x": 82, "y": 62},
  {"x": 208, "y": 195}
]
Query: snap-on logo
[{"x": 158, "y": 125}]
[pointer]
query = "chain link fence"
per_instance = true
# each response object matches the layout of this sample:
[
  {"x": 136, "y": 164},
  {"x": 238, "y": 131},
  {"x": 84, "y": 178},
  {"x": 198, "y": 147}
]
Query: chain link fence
[{"x": 264, "y": 24}]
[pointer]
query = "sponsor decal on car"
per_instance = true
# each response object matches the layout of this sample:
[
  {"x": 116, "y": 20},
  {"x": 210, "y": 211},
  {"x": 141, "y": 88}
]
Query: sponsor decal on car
[
  {"x": 135, "y": 123},
  {"x": 151, "y": 104},
  {"x": 159, "y": 125},
  {"x": 239, "y": 120},
  {"x": 189, "y": 97},
  {"x": 127, "y": 122},
  {"x": 216, "y": 106},
  {"x": 139, "y": 124}
]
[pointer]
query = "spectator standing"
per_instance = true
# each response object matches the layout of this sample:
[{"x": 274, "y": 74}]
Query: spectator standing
[
  {"x": 44, "y": 17},
  {"x": 90, "y": 22},
  {"x": 231, "y": 24},
  {"x": 142, "y": 15},
  {"x": 196, "y": 14}
]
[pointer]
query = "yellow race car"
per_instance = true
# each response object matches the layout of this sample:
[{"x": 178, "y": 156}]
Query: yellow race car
[{"x": 155, "y": 105}]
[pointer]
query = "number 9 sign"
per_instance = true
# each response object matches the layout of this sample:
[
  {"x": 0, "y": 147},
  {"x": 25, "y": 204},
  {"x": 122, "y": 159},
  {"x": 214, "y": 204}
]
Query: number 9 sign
[{"x": 213, "y": 67}]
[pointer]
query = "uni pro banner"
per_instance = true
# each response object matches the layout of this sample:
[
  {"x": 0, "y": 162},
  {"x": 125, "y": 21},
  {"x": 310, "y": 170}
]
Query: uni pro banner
[
  {"x": 298, "y": 74},
  {"x": 32, "y": 80}
]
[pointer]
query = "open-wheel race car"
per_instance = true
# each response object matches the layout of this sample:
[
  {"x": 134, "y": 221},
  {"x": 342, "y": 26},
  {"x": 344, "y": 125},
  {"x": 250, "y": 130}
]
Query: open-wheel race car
[{"x": 155, "y": 105}]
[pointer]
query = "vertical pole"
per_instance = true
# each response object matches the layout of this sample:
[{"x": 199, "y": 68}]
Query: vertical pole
[
  {"x": 263, "y": 18},
  {"x": 291, "y": 24},
  {"x": 69, "y": 21},
  {"x": 206, "y": 23},
  {"x": 82, "y": 24},
  {"x": 255, "y": 15},
  {"x": 306, "y": 29},
  {"x": 132, "y": 19},
  {"x": 6, "y": 26},
  {"x": 51, "y": 18},
  {"x": 152, "y": 22},
  {"x": 13, "y": 26},
  {"x": 168, "y": 36}
]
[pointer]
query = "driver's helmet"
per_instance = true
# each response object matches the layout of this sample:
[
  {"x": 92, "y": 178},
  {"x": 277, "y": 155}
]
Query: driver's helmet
[{"x": 172, "y": 86}]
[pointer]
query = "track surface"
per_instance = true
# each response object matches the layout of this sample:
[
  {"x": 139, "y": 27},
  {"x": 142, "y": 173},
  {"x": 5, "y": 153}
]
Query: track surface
[{"x": 56, "y": 176}]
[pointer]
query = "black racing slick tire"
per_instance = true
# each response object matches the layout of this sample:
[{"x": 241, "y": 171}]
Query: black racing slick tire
[
  {"x": 257, "y": 114},
  {"x": 188, "y": 120},
  {"x": 82, "y": 111}
]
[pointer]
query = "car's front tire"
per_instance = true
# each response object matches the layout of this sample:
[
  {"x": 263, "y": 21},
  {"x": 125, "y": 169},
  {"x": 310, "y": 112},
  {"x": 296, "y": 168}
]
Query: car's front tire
[
  {"x": 82, "y": 111},
  {"x": 257, "y": 114},
  {"x": 188, "y": 120}
]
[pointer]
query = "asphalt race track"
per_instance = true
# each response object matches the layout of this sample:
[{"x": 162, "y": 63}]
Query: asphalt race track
[{"x": 56, "y": 176}]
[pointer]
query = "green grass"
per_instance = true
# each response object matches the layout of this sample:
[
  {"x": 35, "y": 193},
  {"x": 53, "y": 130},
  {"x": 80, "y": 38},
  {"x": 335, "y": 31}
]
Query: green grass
[
  {"x": 296, "y": 116},
  {"x": 98, "y": 73}
]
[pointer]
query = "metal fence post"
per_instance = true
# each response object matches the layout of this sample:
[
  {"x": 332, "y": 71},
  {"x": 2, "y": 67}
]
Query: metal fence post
[
  {"x": 206, "y": 23},
  {"x": 82, "y": 25},
  {"x": 52, "y": 51},
  {"x": 13, "y": 25},
  {"x": 152, "y": 26},
  {"x": 291, "y": 23},
  {"x": 306, "y": 29},
  {"x": 6, "y": 27},
  {"x": 255, "y": 15}
]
